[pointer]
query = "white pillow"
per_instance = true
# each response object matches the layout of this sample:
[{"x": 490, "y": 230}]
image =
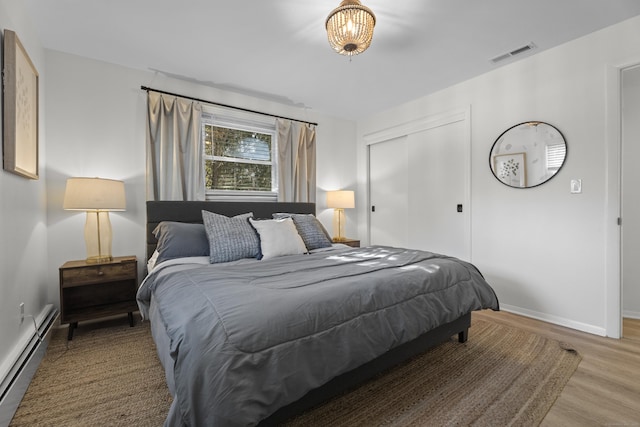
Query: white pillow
[
  {"x": 152, "y": 261},
  {"x": 278, "y": 237}
]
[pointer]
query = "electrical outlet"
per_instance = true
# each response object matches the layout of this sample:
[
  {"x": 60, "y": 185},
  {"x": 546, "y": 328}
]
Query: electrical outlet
[{"x": 21, "y": 312}]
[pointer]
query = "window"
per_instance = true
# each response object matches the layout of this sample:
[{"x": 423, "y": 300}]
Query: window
[
  {"x": 555, "y": 156},
  {"x": 239, "y": 158}
]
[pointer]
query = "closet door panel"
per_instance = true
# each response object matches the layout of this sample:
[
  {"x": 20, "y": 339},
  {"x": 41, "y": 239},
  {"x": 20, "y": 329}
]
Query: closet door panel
[
  {"x": 388, "y": 192},
  {"x": 437, "y": 180}
]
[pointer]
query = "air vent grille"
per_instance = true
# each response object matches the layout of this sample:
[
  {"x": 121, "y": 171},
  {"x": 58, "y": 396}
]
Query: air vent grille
[{"x": 513, "y": 53}]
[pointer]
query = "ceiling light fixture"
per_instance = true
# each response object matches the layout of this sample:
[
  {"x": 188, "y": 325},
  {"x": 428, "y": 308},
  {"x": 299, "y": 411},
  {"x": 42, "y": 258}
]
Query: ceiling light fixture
[{"x": 350, "y": 27}]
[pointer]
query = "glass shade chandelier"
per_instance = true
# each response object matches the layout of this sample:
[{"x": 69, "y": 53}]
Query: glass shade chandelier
[{"x": 350, "y": 27}]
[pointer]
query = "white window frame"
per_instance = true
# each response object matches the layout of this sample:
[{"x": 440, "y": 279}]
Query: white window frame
[
  {"x": 239, "y": 120},
  {"x": 555, "y": 155}
]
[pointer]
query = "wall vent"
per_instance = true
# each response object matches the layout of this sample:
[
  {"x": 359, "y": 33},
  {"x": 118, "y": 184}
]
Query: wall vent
[{"x": 513, "y": 53}]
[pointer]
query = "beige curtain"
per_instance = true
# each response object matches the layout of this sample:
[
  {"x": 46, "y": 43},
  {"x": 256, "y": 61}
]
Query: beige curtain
[
  {"x": 296, "y": 161},
  {"x": 175, "y": 167}
]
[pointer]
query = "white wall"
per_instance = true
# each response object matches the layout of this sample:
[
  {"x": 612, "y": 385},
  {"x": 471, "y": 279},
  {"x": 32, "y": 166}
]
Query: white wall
[
  {"x": 96, "y": 127},
  {"x": 631, "y": 199},
  {"x": 542, "y": 249},
  {"x": 23, "y": 233}
]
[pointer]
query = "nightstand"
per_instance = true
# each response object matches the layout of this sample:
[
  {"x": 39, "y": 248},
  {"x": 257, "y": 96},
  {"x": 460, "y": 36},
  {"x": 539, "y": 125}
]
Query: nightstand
[
  {"x": 90, "y": 291},
  {"x": 349, "y": 242}
]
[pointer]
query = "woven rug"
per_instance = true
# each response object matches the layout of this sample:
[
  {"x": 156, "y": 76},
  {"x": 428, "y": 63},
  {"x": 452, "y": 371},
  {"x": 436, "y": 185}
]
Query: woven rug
[
  {"x": 501, "y": 376},
  {"x": 108, "y": 376}
]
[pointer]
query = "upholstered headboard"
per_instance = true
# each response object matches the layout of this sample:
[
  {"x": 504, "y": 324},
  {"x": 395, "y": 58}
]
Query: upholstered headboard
[{"x": 158, "y": 211}]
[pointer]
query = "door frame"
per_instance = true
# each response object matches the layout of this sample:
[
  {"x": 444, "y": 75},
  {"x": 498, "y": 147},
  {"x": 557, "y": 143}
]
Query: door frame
[
  {"x": 613, "y": 210},
  {"x": 423, "y": 123}
]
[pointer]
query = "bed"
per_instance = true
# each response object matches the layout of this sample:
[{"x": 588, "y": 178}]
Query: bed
[{"x": 247, "y": 341}]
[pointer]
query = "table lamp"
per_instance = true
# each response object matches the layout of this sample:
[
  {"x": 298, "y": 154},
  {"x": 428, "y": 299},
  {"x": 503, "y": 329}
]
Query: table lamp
[
  {"x": 96, "y": 196},
  {"x": 339, "y": 201}
]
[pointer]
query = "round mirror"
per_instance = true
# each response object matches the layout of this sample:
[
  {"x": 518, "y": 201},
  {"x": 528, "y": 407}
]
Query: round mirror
[{"x": 528, "y": 154}]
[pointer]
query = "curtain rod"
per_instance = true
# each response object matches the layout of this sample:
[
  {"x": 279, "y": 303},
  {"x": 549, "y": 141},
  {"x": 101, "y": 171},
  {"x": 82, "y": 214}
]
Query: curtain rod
[{"x": 224, "y": 105}]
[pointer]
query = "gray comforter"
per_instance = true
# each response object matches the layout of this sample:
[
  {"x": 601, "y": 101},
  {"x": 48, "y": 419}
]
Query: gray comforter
[{"x": 248, "y": 339}]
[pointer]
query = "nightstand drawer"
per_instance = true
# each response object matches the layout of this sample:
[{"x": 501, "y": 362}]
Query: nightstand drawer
[{"x": 97, "y": 274}]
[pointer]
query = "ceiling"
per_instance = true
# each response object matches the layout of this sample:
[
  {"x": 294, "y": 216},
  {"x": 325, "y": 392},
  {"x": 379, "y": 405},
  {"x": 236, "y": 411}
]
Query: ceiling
[{"x": 277, "y": 49}]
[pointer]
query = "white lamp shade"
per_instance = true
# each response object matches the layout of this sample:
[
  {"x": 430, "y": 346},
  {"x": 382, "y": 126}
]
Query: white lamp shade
[
  {"x": 343, "y": 199},
  {"x": 94, "y": 194}
]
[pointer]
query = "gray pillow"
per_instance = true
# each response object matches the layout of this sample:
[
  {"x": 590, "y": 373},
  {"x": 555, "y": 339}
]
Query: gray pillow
[
  {"x": 230, "y": 239},
  {"x": 179, "y": 239},
  {"x": 313, "y": 233}
]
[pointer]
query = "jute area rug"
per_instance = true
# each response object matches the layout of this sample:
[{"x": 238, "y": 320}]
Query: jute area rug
[
  {"x": 501, "y": 376},
  {"x": 105, "y": 376}
]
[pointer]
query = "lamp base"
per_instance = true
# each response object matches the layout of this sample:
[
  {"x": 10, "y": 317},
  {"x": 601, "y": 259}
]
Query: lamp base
[
  {"x": 338, "y": 224},
  {"x": 98, "y": 259},
  {"x": 98, "y": 236}
]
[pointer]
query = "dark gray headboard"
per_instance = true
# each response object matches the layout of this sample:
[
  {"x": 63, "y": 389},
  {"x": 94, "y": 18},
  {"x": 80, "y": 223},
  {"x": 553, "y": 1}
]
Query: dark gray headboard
[{"x": 158, "y": 211}]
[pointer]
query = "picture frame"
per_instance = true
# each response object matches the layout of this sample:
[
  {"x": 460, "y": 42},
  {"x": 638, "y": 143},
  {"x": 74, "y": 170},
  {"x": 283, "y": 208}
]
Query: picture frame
[
  {"x": 21, "y": 109},
  {"x": 511, "y": 169}
]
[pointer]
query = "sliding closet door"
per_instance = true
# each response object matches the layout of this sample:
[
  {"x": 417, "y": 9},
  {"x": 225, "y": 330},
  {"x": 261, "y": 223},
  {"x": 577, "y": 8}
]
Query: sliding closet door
[
  {"x": 388, "y": 192},
  {"x": 437, "y": 185},
  {"x": 419, "y": 185}
]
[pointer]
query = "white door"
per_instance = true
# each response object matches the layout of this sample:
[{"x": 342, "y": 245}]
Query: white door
[
  {"x": 418, "y": 184},
  {"x": 630, "y": 231},
  {"x": 388, "y": 163},
  {"x": 437, "y": 185}
]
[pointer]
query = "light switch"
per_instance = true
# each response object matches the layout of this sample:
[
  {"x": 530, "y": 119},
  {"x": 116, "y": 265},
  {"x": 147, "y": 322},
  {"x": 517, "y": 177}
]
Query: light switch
[{"x": 576, "y": 186}]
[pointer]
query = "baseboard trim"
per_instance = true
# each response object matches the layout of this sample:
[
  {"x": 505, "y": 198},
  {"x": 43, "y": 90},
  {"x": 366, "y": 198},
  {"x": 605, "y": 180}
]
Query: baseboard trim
[
  {"x": 15, "y": 383},
  {"x": 631, "y": 314},
  {"x": 561, "y": 321}
]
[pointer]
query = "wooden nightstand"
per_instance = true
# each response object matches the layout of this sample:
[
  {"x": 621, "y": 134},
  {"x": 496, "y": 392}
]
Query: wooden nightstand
[
  {"x": 90, "y": 291},
  {"x": 349, "y": 242}
]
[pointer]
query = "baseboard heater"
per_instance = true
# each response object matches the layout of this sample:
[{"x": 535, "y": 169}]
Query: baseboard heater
[{"x": 15, "y": 384}]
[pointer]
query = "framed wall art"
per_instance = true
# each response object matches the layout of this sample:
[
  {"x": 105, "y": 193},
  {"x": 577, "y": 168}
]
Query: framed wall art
[
  {"x": 20, "y": 106},
  {"x": 511, "y": 169}
]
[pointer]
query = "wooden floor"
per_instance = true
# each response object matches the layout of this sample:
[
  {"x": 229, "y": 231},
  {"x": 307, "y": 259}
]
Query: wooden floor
[
  {"x": 605, "y": 389},
  {"x": 631, "y": 329}
]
